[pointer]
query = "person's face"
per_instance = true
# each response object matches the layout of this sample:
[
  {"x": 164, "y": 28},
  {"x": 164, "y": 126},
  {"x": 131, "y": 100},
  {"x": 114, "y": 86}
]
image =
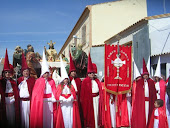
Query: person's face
[
  {"x": 26, "y": 73},
  {"x": 138, "y": 78},
  {"x": 145, "y": 76},
  {"x": 91, "y": 75},
  {"x": 156, "y": 105},
  {"x": 46, "y": 75},
  {"x": 73, "y": 74},
  {"x": 7, "y": 74},
  {"x": 157, "y": 79},
  {"x": 65, "y": 81}
]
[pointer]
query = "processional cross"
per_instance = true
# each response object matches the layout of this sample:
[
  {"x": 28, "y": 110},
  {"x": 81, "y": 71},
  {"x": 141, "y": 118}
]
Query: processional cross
[{"x": 118, "y": 63}]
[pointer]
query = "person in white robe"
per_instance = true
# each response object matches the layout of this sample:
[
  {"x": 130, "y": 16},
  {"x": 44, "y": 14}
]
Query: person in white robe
[{"x": 43, "y": 99}]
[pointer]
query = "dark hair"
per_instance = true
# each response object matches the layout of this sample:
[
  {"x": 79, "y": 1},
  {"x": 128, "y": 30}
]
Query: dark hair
[
  {"x": 62, "y": 84},
  {"x": 160, "y": 102},
  {"x": 28, "y": 45}
]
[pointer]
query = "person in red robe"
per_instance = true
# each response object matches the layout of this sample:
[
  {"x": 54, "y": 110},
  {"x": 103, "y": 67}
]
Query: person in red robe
[
  {"x": 91, "y": 98},
  {"x": 158, "y": 117},
  {"x": 160, "y": 84},
  {"x": 134, "y": 88},
  {"x": 76, "y": 82},
  {"x": 9, "y": 97},
  {"x": 25, "y": 85},
  {"x": 2, "y": 107},
  {"x": 43, "y": 101},
  {"x": 136, "y": 77},
  {"x": 143, "y": 101},
  {"x": 74, "y": 79},
  {"x": 67, "y": 108},
  {"x": 113, "y": 118}
]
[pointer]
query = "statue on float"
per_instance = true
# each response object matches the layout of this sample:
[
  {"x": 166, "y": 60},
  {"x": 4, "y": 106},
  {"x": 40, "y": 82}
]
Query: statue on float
[
  {"x": 80, "y": 59},
  {"x": 17, "y": 56},
  {"x": 17, "y": 61},
  {"x": 32, "y": 60},
  {"x": 51, "y": 53}
]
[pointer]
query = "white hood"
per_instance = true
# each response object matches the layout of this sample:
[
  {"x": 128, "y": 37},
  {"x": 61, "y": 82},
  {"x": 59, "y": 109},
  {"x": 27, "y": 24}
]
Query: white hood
[
  {"x": 63, "y": 70},
  {"x": 136, "y": 72},
  {"x": 158, "y": 69},
  {"x": 44, "y": 65}
]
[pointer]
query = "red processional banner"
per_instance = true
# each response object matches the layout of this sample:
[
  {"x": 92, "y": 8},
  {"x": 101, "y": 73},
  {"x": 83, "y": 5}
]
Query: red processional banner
[{"x": 117, "y": 69}]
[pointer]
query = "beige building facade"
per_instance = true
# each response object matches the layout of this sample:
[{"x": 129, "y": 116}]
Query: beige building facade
[{"x": 99, "y": 22}]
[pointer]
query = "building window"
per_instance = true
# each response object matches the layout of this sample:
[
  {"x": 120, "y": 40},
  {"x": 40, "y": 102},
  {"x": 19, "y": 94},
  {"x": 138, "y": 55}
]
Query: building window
[{"x": 84, "y": 35}]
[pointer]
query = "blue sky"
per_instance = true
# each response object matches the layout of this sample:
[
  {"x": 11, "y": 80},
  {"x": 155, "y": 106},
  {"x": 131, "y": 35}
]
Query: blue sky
[{"x": 36, "y": 22}]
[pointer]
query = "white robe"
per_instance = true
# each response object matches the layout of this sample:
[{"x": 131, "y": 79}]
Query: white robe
[
  {"x": 129, "y": 107},
  {"x": 74, "y": 84},
  {"x": 112, "y": 111},
  {"x": 24, "y": 105},
  {"x": 48, "y": 107},
  {"x": 95, "y": 89},
  {"x": 156, "y": 121},
  {"x": 157, "y": 87},
  {"x": 10, "y": 105},
  {"x": 67, "y": 107},
  {"x": 146, "y": 89}
]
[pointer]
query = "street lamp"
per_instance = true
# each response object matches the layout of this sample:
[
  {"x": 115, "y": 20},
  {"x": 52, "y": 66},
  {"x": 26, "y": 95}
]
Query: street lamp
[
  {"x": 74, "y": 36},
  {"x": 75, "y": 39}
]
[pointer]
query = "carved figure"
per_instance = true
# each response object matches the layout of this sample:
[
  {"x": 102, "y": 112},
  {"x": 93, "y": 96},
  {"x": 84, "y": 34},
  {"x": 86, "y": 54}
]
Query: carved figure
[
  {"x": 80, "y": 59},
  {"x": 17, "y": 56},
  {"x": 31, "y": 62},
  {"x": 51, "y": 53}
]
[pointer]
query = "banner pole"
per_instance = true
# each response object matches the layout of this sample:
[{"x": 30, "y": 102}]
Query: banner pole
[{"x": 105, "y": 77}]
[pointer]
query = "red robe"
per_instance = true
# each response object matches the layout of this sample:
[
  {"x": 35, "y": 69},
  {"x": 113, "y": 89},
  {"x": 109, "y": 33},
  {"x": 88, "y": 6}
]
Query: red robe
[
  {"x": 121, "y": 120},
  {"x": 78, "y": 84},
  {"x": 2, "y": 107},
  {"x": 133, "y": 91},
  {"x": 76, "y": 115},
  {"x": 36, "y": 112},
  {"x": 3, "y": 104},
  {"x": 163, "y": 123},
  {"x": 138, "y": 119},
  {"x": 86, "y": 101},
  {"x": 30, "y": 83},
  {"x": 107, "y": 116},
  {"x": 162, "y": 85}
]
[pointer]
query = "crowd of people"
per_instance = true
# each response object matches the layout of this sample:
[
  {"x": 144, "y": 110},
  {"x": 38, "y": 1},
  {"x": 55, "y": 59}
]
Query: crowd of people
[{"x": 76, "y": 103}]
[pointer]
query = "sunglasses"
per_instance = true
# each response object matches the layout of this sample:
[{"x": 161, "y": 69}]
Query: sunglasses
[
  {"x": 7, "y": 72},
  {"x": 91, "y": 73}
]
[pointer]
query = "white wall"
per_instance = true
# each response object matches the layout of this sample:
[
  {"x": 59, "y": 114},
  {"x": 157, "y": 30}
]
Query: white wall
[
  {"x": 159, "y": 30},
  {"x": 108, "y": 19}
]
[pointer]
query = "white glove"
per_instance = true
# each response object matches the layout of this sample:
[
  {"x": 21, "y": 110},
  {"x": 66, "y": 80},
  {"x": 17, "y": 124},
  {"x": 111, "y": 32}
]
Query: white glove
[
  {"x": 62, "y": 99},
  {"x": 70, "y": 99},
  {"x": 53, "y": 99}
]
